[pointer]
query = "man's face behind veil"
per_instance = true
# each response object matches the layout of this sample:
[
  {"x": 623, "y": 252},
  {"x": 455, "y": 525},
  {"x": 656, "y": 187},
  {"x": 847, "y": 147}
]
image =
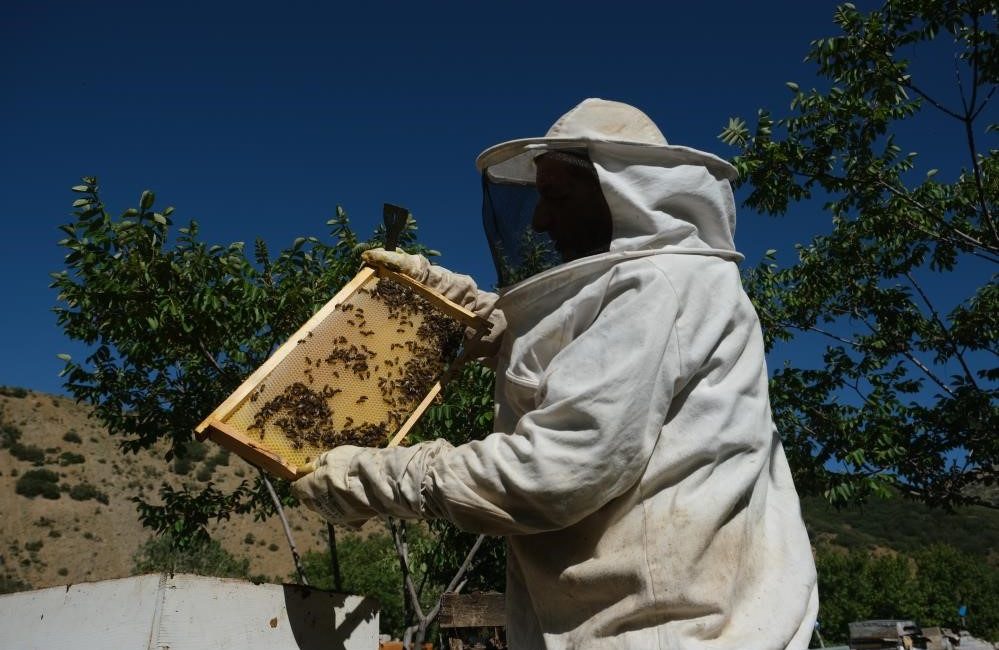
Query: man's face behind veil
[{"x": 571, "y": 208}]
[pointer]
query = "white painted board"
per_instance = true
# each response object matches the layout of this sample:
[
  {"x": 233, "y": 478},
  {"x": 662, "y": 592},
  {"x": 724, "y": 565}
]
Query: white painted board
[{"x": 186, "y": 612}]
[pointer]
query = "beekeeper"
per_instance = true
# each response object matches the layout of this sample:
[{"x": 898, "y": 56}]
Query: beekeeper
[{"x": 635, "y": 469}]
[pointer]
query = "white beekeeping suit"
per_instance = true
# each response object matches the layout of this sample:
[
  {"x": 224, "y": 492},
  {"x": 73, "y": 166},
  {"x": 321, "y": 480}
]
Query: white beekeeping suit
[{"x": 635, "y": 470}]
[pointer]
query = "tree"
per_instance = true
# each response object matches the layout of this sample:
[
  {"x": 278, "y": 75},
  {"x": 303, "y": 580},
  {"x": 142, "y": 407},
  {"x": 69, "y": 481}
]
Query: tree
[
  {"x": 927, "y": 587},
  {"x": 175, "y": 325},
  {"x": 371, "y": 568},
  {"x": 161, "y": 554},
  {"x": 905, "y": 394}
]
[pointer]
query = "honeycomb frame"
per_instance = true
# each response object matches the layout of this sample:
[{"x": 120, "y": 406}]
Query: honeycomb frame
[{"x": 339, "y": 374}]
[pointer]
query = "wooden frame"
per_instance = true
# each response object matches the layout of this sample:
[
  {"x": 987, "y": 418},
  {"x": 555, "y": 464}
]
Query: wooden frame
[{"x": 217, "y": 428}]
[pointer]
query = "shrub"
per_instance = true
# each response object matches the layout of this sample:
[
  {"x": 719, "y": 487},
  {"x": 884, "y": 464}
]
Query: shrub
[
  {"x": 36, "y": 482},
  {"x": 27, "y": 453},
  {"x": 34, "y": 547},
  {"x": 10, "y": 583},
  {"x": 273, "y": 547},
  {"x": 370, "y": 567},
  {"x": 196, "y": 450},
  {"x": 182, "y": 465},
  {"x": 249, "y": 539},
  {"x": 63, "y": 571},
  {"x": 13, "y": 391},
  {"x": 69, "y": 458},
  {"x": 927, "y": 587},
  {"x": 85, "y": 491},
  {"x": 72, "y": 436},
  {"x": 159, "y": 554},
  {"x": 204, "y": 473},
  {"x": 9, "y": 435},
  {"x": 220, "y": 459}
]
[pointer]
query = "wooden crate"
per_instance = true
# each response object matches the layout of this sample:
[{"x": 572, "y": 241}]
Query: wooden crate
[
  {"x": 361, "y": 371},
  {"x": 472, "y": 621}
]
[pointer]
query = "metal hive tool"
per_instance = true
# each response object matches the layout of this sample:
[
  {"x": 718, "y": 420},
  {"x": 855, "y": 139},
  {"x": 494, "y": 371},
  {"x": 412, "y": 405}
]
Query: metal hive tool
[{"x": 361, "y": 371}]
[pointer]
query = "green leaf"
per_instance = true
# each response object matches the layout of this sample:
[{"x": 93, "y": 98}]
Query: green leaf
[
  {"x": 146, "y": 200},
  {"x": 64, "y": 356}
]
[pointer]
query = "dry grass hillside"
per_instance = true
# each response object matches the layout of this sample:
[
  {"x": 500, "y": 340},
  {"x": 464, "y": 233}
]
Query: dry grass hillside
[{"x": 91, "y": 531}]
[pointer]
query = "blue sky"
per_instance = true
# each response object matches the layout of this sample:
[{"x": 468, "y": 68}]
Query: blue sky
[{"x": 257, "y": 119}]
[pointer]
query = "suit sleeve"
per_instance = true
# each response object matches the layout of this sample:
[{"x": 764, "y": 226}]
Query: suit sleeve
[{"x": 600, "y": 407}]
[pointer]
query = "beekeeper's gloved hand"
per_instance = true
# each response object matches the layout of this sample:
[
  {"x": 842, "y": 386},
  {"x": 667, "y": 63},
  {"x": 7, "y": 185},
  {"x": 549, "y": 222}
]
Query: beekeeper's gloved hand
[
  {"x": 325, "y": 489},
  {"x": 456, "y": 287},
  {"x": 349, "y": 484},
  {"x": 415, "y": 266}
]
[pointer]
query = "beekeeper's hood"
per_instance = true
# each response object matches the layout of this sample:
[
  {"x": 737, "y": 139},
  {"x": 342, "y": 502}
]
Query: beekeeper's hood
[{"x": 663, "y": 198}]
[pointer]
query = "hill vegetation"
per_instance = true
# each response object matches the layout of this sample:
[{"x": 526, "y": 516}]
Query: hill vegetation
[
  {"x": 65, "y": 487},
  {"x": 72, "y": 520}
]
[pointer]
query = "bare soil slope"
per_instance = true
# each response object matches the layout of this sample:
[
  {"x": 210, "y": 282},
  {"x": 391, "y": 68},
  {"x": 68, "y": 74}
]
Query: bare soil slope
[{"x": 46, "y": 542}]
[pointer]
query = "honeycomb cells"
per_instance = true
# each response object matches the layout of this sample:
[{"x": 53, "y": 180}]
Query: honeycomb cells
[{"x": 353, "y": 379}]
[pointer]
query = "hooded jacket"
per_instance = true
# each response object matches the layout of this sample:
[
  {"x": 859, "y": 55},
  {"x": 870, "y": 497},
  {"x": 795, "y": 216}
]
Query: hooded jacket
[{"x": 635, "y": 470}]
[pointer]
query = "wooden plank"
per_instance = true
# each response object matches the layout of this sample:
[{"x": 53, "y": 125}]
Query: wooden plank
[
  {"x": 452, "y": 309},
  {"x": 401, "y": 433},
  {"x": 472, "y": 610},
  {"x": 231, "y": 438},
  {"x": 248, "y": 386},
  {"x": 882, "y": 630},
  {"x": 239, "y": 441}
]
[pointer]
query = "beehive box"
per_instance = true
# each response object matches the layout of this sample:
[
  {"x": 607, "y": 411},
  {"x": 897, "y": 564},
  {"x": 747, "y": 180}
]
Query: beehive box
[{"x": 361, "y": 371}]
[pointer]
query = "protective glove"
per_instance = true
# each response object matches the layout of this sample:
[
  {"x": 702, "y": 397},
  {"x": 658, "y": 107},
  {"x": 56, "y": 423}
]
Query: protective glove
[
  {"x": 456, "y": 287},
  {"x": 415, "y": 266},
  {"x": 325, "y": 490},
  {"x": 353, "y": 484}
]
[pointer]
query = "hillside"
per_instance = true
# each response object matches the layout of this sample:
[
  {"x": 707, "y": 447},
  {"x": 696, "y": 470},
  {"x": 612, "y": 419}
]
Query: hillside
[
  {"x": 91, "y": 531},
  {"x": 903, "y": 525}
]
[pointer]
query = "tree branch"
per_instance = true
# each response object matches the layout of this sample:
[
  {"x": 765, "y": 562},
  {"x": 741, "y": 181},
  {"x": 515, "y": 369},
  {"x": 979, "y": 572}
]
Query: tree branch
[
  {"x": 912, "y": 359},
  {"x": 943, "y": 328},
  {"x": 911, "y": 86},
  {"x": 402, "y": 550},
  {"x": 905, "y": 196},
  {"x": 985, "y": 102},
  {"x": 334, "y": 558},
  {"x": 211, "y": 359},
  {"x": 963, "y": 238},
  {"x": 979, "y": 185},
  {"x": 287, "y": 529},
  {"x": 457, "y": 584}
]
